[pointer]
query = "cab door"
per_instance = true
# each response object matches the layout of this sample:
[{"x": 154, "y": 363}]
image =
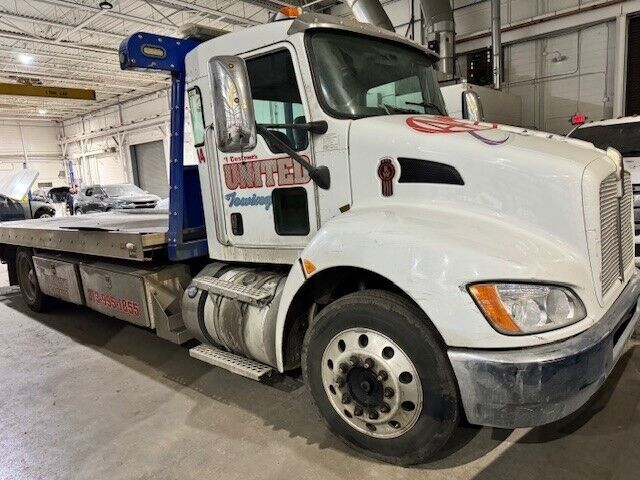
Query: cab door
[{"x": 268, "y": 199}]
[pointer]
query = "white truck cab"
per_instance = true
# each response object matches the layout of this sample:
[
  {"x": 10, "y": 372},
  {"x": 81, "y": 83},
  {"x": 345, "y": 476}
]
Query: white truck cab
[
  {"x": 417, "y": 267},
  {"x": 506, "y": 241}
]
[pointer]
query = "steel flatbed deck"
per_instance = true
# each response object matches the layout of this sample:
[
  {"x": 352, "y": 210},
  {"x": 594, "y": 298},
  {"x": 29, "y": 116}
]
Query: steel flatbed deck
[{"x": 133, "y": 235}]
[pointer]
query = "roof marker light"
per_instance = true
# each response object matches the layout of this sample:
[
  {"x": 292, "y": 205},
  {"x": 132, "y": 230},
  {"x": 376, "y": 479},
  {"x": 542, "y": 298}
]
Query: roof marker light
[{"x": 287, "y": 13}]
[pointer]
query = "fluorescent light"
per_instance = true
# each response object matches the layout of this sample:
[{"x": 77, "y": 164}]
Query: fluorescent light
[
  {"x": 26, "y": 59},
  {"x": 42, "y": 111},
  {"x": 105, "y": 5}
]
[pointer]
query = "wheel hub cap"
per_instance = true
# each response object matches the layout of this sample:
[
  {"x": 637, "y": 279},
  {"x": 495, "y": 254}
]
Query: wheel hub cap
[
  {"x": 371, "y": 383},
  {"x": 364, "y": 387}
]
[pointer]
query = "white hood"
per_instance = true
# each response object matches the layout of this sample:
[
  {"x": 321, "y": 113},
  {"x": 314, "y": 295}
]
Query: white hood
[{"x": 17, "y": 185}]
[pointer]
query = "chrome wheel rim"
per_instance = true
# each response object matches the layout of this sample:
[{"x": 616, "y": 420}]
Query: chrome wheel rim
[
  {"x": 45, "y": 215},
  {"x": 371, "y": 383},
  {"x": 28, "y": 281}
]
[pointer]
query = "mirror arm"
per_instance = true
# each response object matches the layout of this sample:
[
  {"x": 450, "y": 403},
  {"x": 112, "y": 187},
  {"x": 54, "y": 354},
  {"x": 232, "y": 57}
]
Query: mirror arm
[
  {"x": 320, "y": 174},
  {"x": 318, "y": 127}
]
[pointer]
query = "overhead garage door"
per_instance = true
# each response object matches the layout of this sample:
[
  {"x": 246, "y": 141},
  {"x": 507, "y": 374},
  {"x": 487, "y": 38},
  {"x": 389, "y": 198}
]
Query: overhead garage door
[{"x": 150, "y": 168}]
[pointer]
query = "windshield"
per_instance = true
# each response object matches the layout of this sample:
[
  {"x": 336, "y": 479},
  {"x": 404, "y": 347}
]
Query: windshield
[
  {"x": 359, "y": 76},
  {"x": 122, "y": 190},
  {"x": 624, "y": 137}
]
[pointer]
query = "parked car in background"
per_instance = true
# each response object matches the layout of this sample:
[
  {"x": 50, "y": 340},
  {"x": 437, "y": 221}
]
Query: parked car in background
[
  {"x": 58, "y": 194},
  {"x": 623, "y": 134},
  {"x": 15, "y": 203},
  {"x": 103, "y": 198}
]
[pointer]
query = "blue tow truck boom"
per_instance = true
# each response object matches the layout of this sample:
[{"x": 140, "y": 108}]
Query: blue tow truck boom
[{"x": 146, "y": 51}]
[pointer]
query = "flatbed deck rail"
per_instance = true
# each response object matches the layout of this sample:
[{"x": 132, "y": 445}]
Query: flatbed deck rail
[{"x": 125, "y": 236}]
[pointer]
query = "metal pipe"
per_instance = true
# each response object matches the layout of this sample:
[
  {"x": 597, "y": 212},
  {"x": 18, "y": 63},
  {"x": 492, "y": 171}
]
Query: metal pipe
[
  {"x": 496, "y": 44},
  {"x": 371, "y": 11},
  {"x": 440, "y": 27}
]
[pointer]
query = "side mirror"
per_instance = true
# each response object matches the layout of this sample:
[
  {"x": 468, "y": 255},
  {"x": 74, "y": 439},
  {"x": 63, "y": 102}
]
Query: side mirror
[
  {"x": 472, "y": 106},
  {"x": 234, "y": 123}
]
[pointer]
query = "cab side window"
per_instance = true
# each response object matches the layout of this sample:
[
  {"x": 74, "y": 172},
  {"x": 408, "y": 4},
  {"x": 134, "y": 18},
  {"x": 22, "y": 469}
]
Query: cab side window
[{"x": 276, "y": 97}]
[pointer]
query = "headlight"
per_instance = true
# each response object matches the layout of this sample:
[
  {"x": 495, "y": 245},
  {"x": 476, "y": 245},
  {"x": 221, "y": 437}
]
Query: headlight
[{"x": 521, "y": 309}]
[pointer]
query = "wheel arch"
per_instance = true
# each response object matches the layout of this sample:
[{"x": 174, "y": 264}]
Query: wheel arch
[{"x": 318, "y": 291}]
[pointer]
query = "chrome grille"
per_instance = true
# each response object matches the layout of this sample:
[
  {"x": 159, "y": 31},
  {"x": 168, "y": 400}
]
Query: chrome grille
[
  {"x": 626, "y": 213},
  {"x": 616, "y": 230}
]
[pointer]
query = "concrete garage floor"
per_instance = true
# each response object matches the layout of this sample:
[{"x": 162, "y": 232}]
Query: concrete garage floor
[{"x": 83, "y": 396}]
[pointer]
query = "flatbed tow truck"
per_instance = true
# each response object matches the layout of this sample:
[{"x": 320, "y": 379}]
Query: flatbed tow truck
[{"x": 418, "y": 268}]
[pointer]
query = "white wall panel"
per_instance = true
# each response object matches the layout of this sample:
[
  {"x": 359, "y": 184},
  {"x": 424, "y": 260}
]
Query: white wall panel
[
  {"x": 110, "y": 169},
  {"x": 40, "y": 141},
  {"x": 563, "y": 74}
]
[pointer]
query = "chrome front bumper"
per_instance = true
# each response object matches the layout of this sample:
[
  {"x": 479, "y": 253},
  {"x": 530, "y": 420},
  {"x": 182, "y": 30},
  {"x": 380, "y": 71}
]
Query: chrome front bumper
[{"x": 533, "y": 386}]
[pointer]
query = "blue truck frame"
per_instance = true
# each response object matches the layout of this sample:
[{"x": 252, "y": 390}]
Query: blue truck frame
[{"x": 146, "y": 51}]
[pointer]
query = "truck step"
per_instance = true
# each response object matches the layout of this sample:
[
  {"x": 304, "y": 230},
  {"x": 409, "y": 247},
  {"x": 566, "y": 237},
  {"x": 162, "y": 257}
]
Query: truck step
[
  {"x": 252, "y": 295},
  {"x": 231, "y": 362}
]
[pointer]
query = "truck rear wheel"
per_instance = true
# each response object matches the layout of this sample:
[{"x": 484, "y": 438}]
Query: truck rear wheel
[
  {"x": 28, "y": 281},
  {"x": 380, "y": 377}
]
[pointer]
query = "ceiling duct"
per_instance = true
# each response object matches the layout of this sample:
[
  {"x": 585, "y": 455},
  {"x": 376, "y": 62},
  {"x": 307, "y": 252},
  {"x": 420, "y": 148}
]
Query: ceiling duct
[
  {"x": 371, "y": 11},
  {"x": 440, "y": 31}
]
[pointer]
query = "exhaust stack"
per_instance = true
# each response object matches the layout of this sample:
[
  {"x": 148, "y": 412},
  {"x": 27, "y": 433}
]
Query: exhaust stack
[
  {"x": 439, "y": 26},
  {"x": 371, "y": 11}
]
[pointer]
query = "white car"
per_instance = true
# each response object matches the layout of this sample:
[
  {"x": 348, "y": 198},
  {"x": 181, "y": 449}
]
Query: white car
[{"x": 623, "y": 134}]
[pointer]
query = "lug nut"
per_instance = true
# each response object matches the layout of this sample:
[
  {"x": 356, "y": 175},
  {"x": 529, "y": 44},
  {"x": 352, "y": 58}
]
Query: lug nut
[
  {"x": 368, "y": 363},
  {"x": 354, "y": 361},
  {"x": 384, "y": 408},
  {"x": 340, "y": 382},
  {"x": 388, "y": 392},
  {"x": 373, "y": 415},
  {"x": 343, "y": 368},
  {"x": 346, "y": 399},
  {"x": 358, "y": 411},
  {"x": 382, "y": 376}
]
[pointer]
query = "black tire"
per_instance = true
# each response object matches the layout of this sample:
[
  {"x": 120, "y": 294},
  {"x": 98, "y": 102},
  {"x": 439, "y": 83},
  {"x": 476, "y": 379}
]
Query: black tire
[
  {"x": 405, "y": 324},
  {"x": 29, "y": 287},
  {"x": 42, "y": 214},
  {"x": 78, "y": 211}
]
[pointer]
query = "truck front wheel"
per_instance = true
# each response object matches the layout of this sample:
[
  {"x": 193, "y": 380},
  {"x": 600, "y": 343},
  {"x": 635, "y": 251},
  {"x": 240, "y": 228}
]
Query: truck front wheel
[
  {"x": 380, "y": 377},
  {"x": 28, "y": 281}
]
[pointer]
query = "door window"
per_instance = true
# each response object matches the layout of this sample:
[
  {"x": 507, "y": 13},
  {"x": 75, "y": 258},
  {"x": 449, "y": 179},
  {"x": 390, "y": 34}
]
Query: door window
[
  {"x": 197, "y": 116},
  {"x": 276, "y": 97},
  {"x": 290, "y": 211}
]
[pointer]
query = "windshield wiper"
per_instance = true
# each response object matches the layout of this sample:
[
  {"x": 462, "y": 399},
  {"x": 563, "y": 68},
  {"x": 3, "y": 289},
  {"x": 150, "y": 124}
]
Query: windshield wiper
[
  {"x": 427, "y": 105},
  {"x": 388, "y": 107}
]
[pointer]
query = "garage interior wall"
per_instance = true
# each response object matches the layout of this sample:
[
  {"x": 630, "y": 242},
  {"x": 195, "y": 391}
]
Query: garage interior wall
[
  {"x": 99, "y": 144},
  {"x": 559, "y": 55},
  {"x": 35, "y": 143}
]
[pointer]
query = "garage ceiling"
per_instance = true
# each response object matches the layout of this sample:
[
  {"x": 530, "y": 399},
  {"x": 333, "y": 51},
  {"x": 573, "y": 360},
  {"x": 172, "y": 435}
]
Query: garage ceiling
[{"x": 74, "y": 43}]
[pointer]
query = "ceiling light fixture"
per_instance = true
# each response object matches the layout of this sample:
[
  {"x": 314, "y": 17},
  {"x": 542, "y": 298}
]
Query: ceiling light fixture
[
  {"x": 105, "y": 5},
  {"x": 42, "y": 111},
  {"x": 26, "y": 59}
]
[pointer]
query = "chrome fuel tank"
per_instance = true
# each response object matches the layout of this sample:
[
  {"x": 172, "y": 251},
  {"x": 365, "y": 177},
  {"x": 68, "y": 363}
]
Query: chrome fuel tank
[{"x": 235, "y": 308}]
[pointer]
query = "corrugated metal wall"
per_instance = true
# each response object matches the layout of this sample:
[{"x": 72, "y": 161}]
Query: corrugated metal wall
[{"x": 560, "y": 75}]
